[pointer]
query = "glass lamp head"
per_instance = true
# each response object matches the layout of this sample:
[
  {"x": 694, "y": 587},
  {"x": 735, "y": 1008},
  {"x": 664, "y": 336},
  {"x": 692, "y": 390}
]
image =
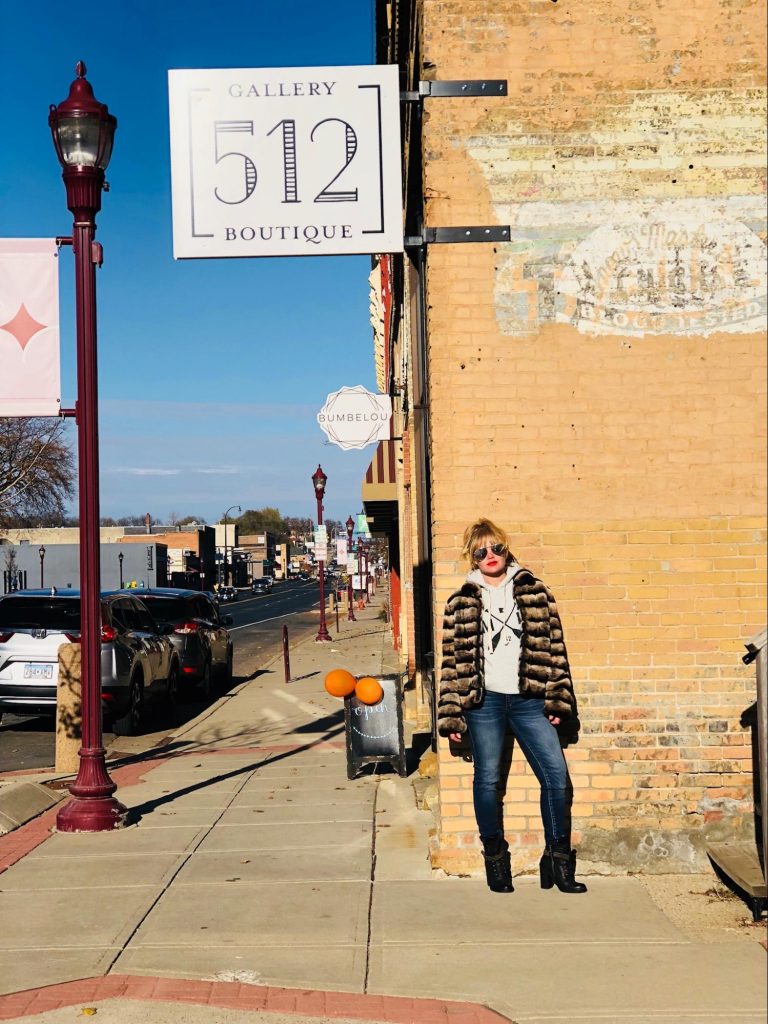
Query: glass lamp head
[
  {"x": 83, "y": 129},
  {"x": 319, "y": 479}
]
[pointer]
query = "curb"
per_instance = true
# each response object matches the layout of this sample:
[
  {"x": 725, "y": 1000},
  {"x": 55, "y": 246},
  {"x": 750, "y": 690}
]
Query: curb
[
  {"x": 378, "y": 1009},
  {"x": 22, "y": 801}
]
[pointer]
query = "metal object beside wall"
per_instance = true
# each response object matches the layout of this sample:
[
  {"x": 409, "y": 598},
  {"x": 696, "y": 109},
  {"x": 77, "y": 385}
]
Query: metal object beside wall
[
  {"x": 745, "y": 862},
  {"x": 757, "y": 651}
]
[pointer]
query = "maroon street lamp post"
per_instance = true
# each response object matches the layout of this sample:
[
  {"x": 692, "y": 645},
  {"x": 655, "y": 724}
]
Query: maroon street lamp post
[
  {"x": 41, "y": 552},
  {"x": 365, "y": 564},
  {"x": 360, "y": 563},
  {"x": 319, "y": 480},
  {"x": 83, "y": 130},
  {"x": 350, "y": 524}
]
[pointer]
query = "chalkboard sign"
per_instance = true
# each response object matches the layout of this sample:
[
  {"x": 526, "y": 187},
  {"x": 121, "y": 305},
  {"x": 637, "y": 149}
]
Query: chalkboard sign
[{"x": 374, "y": 732}]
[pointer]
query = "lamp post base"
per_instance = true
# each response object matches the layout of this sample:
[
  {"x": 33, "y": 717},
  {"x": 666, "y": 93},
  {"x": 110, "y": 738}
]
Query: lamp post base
[
  {"x": 91, "y": 814},
  {"x": 323, "y": 637},
  {"x": 92, "y": 807}
]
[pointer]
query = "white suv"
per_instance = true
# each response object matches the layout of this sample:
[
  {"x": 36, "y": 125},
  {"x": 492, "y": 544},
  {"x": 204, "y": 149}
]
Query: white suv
[{"x": 138, "y": 660}]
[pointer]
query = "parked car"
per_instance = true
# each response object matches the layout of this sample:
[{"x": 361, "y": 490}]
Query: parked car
[
  {"x": 262, "y": 585},
  {"x": 227, "y": 594},
  {"x": 198, "y": 633},
  {"x": 138, "y": 661}
]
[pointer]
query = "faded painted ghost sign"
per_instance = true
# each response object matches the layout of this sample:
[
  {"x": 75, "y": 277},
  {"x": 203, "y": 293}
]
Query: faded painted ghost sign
[
  {"x": 285, "y": 161},
  {"x": 671, "y": 276}
]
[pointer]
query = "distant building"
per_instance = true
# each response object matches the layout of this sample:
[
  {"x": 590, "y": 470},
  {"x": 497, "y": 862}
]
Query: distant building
[
  {"x": 260, "y": 551},
  {"x": 191, "y": 552},
  {"x": 32, "y": 565},
  {"x": 187, "y": 554}
]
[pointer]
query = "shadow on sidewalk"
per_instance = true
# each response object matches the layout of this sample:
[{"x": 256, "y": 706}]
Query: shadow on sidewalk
[
  {"x": 136, "y": 813},
  {"x": 342, "y": 638},
  {"x": 333, "y": 724}
]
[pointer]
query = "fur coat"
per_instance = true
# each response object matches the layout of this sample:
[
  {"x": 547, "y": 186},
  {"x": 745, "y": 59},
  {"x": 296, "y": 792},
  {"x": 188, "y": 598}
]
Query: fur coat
[{"x": 544, "y": 671}]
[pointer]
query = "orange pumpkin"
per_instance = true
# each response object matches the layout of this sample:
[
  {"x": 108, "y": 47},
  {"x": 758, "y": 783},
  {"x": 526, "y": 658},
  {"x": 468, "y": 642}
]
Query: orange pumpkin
[
  {"x": 369, "y": 690},
  {"x": 339, "y": 682}
]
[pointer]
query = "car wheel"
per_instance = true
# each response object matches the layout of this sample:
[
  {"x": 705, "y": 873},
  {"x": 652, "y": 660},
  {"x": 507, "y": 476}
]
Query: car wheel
[
  {"x": 172, "y": 689},
  {"x": 226, "y": 672},
  {"x": 206, "y": 682},
  {"x": 131, "y": 722}
]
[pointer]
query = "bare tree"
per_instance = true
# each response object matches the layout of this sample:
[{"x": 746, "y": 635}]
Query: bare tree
[{"x": 37, "y": 471}]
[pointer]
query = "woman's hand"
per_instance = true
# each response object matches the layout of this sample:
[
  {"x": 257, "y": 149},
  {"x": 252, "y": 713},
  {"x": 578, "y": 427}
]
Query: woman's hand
[
  {"x": 554, "y": 719},
  {"x": 455, "y": 736}
]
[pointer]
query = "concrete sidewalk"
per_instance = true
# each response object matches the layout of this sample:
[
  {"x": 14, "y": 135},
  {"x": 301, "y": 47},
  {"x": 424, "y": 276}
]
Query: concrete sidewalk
[{"x": 259, "y": 880}]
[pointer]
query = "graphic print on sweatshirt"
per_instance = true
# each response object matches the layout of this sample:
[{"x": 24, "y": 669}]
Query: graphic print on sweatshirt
[{"x": 502, "y": 626}]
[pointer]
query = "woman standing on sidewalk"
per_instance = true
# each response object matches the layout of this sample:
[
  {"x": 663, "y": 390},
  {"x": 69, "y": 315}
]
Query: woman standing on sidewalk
[{"x": 505, "y": 667}]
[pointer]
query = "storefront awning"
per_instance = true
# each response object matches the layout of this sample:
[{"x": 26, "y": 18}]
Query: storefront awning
[{"x": 379, "y": 489}]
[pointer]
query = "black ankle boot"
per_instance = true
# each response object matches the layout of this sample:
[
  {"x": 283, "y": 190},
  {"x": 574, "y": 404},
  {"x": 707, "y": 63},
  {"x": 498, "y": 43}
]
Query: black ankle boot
[
  {"x": 558, "y": 867},
  {"x": 498, "y": 867}
]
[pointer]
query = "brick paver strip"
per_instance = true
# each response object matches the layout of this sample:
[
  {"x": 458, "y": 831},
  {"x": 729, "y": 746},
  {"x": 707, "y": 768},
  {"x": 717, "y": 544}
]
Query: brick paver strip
[
  {"x": 17, "y": 844},
  {"x": 249, "y": 998}
]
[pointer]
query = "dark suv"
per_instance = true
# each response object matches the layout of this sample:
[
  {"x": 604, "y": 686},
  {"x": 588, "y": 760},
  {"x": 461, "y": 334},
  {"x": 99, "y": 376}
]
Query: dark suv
[
  {"x": 138, "y": 660},
  {"x": 199, "y": 634}
]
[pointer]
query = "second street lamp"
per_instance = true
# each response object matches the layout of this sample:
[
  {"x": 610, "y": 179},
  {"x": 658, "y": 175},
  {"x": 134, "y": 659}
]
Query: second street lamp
[
  {"x": 319, "y": 480},
  {"x": 41, "y": 552},
  {"x": 120, "y": 558},
  {"x": 350, "y": 524},
  {"x": 225, "y": 538},
  {"x": 83, "y": 131}
]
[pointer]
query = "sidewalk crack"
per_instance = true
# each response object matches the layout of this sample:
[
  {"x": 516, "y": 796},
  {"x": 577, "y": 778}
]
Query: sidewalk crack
[
  {"x": 185, "y": 857},
  {"x": 370, "y": 894}
]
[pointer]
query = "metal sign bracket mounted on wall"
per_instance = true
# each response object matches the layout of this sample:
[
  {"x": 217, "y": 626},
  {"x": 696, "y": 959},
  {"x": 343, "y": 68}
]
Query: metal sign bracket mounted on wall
[
  {"x": 442, "y": 236},
  {"x": 489, "y": 87},
  {"x": 450, "y": 90}
]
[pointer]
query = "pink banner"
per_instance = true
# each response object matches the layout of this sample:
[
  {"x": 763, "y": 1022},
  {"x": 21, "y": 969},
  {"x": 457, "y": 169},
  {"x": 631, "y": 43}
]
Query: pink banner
[{"x": 30, "y": 376}]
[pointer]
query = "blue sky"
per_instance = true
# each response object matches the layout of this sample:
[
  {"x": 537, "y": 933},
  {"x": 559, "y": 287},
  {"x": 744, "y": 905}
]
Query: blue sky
[{"x": 211, "y": 372}]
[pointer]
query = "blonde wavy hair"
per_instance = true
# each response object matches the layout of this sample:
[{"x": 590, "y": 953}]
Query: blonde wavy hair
[{"x": 484, "y": 533}]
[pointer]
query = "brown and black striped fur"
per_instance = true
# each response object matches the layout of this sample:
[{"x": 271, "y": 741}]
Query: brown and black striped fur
[{"x": 544, "y": 671}]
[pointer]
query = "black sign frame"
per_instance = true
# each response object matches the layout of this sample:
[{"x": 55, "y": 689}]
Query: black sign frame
[{"x": 365, "y": 746}]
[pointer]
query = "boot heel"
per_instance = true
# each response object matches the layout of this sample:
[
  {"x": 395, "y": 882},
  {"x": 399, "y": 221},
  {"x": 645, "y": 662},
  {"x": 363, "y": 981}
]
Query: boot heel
[{"x": 546, "y": 875}]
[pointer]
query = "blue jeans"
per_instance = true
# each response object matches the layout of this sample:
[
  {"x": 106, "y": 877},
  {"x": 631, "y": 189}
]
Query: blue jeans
[{"x": 538, "y": 740}]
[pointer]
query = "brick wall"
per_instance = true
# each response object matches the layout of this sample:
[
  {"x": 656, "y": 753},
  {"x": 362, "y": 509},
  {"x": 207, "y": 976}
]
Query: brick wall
[{"x": 598, "y": 388}]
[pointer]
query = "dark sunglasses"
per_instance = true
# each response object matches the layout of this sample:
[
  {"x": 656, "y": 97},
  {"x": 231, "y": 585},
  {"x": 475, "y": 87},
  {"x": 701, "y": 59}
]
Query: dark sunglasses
[{"x": 496, "y": 549}]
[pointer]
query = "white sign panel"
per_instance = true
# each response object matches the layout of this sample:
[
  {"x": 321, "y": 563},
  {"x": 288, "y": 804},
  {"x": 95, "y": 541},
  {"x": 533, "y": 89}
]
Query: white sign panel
[
  {"x": 355, "y": 417},
  {"x": 285, "y": 161},
  {"x": 320, "y": 543},
  {"x": 30, "y": 383},
  {"x": 341, "y": 550}
]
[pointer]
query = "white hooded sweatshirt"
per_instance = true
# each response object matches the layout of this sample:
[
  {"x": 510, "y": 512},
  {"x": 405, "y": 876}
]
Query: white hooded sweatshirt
[{"x": 502, "y": 629}]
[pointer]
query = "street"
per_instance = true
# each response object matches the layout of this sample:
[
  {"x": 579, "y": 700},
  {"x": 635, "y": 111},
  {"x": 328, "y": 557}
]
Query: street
[{"x": 28, "y": 742}]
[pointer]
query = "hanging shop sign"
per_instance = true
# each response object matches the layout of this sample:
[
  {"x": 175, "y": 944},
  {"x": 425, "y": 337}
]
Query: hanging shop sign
[
  {"x": 355, "y": 417},
  {"x": 30, "y": 381},
  {"x": 285, "y": 161}
]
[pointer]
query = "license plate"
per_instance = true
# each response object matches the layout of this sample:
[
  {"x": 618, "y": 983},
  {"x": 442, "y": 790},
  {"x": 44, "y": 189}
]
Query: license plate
[{"x": 38, "y": 671}]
